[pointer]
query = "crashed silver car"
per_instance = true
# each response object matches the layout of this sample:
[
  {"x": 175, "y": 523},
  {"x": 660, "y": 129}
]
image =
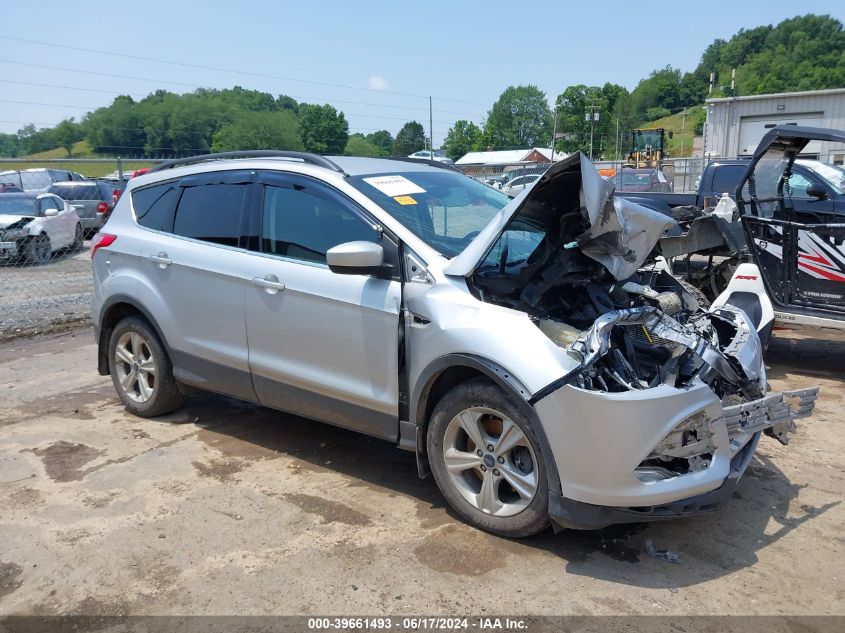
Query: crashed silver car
[{"x": 536, "y": 357}]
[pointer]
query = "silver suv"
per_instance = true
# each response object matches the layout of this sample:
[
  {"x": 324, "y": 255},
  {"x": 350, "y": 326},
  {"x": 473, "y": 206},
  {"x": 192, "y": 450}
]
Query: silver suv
[{"x": 542, "y": 364}]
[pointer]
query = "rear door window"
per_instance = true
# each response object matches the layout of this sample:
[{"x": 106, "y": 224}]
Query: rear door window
[{"x": 211, "y": 213}]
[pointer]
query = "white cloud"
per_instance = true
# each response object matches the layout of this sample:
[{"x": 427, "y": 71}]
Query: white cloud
[{"x": 377, "y": 83}]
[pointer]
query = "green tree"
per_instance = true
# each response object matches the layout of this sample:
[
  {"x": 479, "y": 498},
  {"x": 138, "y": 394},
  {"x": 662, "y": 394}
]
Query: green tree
[
  {"x": 464, "y": 136},
  {"x": 32, "y": 139},
  {"x": 9, "y": 145},
  {"x": 520, "y": 118},
  {"x": 259, "y": 130},
  {"x": 358, "y": 145},
  {"x": 323, "y": 129},
  {"x": 410, "y": 139},
  {"x": 383, "y": 140},
  {"x": 66, "y": 133},
  {"x": 284, "y": 102}
]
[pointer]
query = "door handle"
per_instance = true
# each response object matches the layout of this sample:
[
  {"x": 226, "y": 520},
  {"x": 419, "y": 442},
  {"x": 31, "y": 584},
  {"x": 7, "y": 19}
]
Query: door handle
[
  {"x": 270, "y": 283},
  {"x": 161, "y": 259}
]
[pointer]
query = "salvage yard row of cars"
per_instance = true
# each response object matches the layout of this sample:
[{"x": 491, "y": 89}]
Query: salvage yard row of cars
[
  {"x": 43, "y": 211},
  {"x": 537, "y": 354}
]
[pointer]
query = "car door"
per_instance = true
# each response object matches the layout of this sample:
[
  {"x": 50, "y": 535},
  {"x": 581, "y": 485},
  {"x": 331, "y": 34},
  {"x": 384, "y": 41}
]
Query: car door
[
  {"x": 60, "y": 226},
  {"x": 321, "y": 344},
  {"x": 196, "y": 266},
  {"x": 808, "y": 208}
]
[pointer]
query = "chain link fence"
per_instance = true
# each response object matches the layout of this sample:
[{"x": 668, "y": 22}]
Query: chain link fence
[
  {"x": 49, "y": 209},
  {"x": 45, "y": 268}
]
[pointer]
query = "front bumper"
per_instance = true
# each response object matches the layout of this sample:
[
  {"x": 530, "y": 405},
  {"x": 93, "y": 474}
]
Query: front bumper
[
  {"x": 598, "y": 439},
  {"x": 8, "y": 249}
]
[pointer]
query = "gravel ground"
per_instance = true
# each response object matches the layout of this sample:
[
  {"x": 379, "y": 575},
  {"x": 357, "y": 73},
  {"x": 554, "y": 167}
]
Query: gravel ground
[
  {"x": 38, "y": 299},
  {"x": 227, "y": 508}
]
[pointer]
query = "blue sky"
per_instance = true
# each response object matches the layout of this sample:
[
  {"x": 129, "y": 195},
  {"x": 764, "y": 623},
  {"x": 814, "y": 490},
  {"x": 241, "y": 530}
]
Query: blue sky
[{"x": 467, "y": 52}]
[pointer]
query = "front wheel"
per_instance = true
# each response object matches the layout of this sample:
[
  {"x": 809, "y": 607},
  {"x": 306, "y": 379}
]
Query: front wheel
[
  {"x": 486, "y": 460},
  {"x": 141, "y": 370},
  {"x": 38, "y": 250}
]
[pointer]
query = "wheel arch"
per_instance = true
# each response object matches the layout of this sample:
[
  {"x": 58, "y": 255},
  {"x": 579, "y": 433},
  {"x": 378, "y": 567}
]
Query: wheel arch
[
  {"x": 445, "y": 373},
  {"x": 115, "y": 310}
]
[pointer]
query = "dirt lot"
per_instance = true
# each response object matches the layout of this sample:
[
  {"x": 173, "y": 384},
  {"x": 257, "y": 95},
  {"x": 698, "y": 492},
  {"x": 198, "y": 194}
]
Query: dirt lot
[
  {"x": 37, "y": 299},
  {"x": 226, "y": 508}
]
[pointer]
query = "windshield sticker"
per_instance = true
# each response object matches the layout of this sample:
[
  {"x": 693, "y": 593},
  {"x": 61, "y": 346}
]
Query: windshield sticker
[
  {"x": 394, "y": 185},
  {"x": 404, "y": 200}
]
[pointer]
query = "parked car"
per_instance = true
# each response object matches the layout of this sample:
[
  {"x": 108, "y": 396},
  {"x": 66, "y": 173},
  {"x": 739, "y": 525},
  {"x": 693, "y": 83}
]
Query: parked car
[
  {"x": 642, "y": 179},
  {"x": 33, "y": 226},
  {"x": 435, "y": 156},
  {"x": 514, "y": 187},
  {"x": 529, "y": 352},
  {"x": 38, "y": 179},
  {"x": 91, "y": 199}
]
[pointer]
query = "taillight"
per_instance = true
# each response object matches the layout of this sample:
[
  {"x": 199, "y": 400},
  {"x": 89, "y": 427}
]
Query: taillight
[
  {"x": 103, "y": 207},
  {"x": 115, "y": 196},
  {"x": 101, "y": 239}
]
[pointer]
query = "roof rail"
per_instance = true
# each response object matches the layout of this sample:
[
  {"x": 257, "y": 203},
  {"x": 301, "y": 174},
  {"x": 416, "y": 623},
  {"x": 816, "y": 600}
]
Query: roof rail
[
  {"x": 305, "y": 157},
  {"x": 425, "y": 161}
]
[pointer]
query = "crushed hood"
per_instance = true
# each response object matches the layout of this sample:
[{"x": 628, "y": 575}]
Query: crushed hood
[
  {"x": 8, "y": 219},
  {"x": 621, "y": 233}
]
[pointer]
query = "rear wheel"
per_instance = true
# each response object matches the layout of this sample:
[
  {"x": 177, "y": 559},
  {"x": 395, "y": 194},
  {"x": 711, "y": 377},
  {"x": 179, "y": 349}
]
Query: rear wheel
[
  {"x": 38, "y": 250},
  {"x": 78, "y": 238},
  {"x": 486, "y": 460},
  {"x": 141, "y": 369}
]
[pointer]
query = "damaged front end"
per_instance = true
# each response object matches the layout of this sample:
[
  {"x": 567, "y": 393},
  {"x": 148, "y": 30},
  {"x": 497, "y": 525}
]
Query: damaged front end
[{"x": 671, "y": 395}]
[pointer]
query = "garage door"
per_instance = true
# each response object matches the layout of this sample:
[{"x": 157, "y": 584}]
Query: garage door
[{"x": 752, "y": 129}]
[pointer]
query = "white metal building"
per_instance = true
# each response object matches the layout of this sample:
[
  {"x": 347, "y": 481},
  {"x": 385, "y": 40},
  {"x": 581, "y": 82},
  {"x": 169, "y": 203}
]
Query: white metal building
[{"x": 735, "y": 125}]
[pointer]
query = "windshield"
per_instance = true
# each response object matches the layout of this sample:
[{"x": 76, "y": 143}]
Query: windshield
[
  {"x": 635, "y": 179},
  {"x": 444, "y": 209},
  {"x": 647, "y": 138},
  {"x": 16, "y": 206}
]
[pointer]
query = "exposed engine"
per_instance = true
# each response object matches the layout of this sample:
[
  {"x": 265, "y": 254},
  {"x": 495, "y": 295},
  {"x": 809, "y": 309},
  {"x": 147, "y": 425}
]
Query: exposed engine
[{"x": 579, "y": 262}]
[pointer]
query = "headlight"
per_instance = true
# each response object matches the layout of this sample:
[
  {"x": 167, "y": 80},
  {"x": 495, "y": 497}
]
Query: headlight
[{"x": 15, "y": 234}]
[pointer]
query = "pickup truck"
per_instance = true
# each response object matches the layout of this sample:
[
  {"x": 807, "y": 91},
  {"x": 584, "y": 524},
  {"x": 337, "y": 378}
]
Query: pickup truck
[{"x": 814, "y": 187}]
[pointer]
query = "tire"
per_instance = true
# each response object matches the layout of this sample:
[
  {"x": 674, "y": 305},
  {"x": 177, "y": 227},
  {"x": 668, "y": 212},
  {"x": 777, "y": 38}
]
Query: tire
[
  {"x": 485, "y": 409},
  {"x": 38, "y": 250},
  {"x": 141, "y": 369},
  {"x": 78, "y": 238}
]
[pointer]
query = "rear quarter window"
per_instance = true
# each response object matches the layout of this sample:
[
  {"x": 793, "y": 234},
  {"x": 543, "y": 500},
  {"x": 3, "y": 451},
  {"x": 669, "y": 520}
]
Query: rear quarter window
[{"x": 154, "y": 206}]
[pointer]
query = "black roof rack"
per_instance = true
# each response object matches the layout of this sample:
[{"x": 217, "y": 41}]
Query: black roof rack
[{"x": 305, "y": 157}]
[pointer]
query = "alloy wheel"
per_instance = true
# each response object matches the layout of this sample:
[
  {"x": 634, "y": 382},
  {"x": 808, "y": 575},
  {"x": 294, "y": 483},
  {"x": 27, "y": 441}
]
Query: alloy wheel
[
  {"x": 490, "y": 461},
  {"x": 136, "y": 367}
]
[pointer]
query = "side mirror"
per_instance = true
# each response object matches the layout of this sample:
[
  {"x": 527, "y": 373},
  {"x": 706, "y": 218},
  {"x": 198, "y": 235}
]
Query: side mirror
[
  {"x": 817, "y": 190},
  {"x": 356, "y": 258},
  {"x": 50, "y": 213}
]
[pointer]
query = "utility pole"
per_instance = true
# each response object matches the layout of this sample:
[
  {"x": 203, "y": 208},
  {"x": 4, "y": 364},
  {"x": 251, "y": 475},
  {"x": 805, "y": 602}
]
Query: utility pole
[
  {"x": 554, "y": 135},
  {"x": 617, "y": 138},
  {"x": 430, "y": 130},
  {"x": 592, "y": 115},
  {"x": 683, "y": 125}
]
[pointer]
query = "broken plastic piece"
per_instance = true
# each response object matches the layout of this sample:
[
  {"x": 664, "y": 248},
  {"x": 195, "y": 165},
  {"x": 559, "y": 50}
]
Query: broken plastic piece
[{"x": 661, "y": 554}]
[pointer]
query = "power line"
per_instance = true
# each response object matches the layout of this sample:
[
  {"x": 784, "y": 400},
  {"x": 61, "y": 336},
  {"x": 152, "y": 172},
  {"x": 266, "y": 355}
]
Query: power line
[
  {"x": 299, "y": 98},
  {"x": 226, "y": 70}
]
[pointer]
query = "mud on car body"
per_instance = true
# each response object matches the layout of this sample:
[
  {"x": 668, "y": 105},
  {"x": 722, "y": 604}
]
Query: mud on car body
[{"x": 542, "y": 364}]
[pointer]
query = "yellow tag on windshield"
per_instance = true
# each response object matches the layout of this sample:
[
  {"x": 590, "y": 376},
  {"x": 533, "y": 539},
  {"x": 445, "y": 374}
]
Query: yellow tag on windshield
[{"x": 403, "y": 200}]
